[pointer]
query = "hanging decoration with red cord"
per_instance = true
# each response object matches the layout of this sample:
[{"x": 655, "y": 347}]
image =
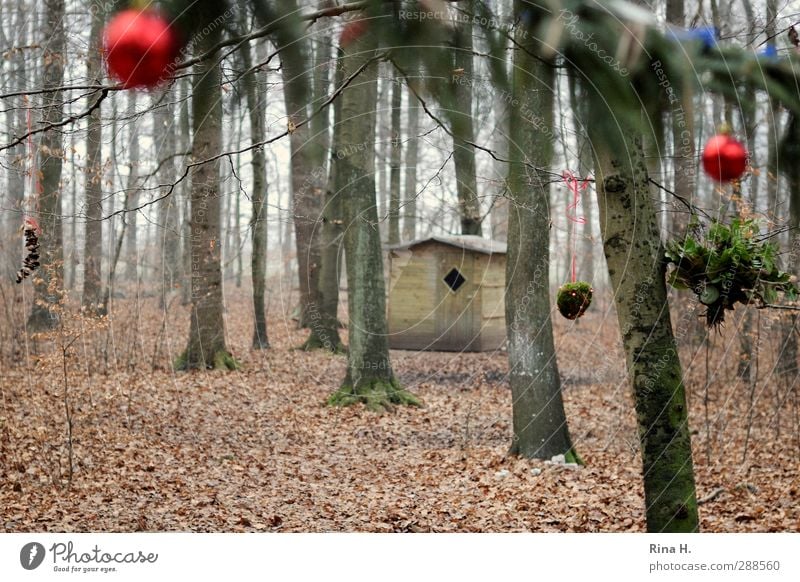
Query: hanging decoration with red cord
[
  {"x": 574, "y": 298},
  {"x": 724, "y": 157},
  {"x": 141, "y": 46}
]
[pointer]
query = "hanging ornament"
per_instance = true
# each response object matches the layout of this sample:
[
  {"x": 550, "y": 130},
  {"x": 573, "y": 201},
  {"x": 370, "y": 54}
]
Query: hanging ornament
[
  {"x": 31, "y": 260},
  {"x": 140, "y": 47},
  {"x": 574, "y": 298},
  {"x": 724, "y": 158}
]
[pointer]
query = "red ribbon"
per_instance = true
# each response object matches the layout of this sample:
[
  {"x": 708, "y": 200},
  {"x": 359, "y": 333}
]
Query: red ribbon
[
  {"x": 29, "y": 221},
  {"x": 575, "y": 186}
]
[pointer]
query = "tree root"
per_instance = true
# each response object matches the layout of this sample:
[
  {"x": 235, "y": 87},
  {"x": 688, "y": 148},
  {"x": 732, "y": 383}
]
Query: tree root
[
  {"x": 222, "y": 360},
  {"x": 314, "y": 342},
  {"x": 376, "y": 395}
]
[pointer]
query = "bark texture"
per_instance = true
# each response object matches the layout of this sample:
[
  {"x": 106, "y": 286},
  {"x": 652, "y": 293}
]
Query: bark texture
[
  {"x": 93, "y": 242},
  {"x": 369, "y": 378},
  {"x": 463, "y": 129},
  {"x": 636, "y": 268},
  {"x": 255, "y": 91},
  {"x": 323, "y": 318},
  {"x": 540, "y": 426},
  {"x": 395, "y": 159},
  {"x": 306, "y": 156},
  {"x": 206, "y": 347},
  {"x": 409, "y": 210}
]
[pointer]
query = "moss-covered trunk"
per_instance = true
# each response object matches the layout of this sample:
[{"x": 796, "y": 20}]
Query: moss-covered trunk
[
  {"x": 369, "y": 378},
  {"x": 636, "y": 267},
  {"x": 48, "y": 280},
  {"x": 540, "y": 426},
  {"x": 206, "y": 347}
]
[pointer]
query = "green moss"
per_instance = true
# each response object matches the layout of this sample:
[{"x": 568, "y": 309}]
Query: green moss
[
  {"x": 180, "y": 362},
  {"x": 574, "y": 299},
  {"x": 225, "y": 361},
  {"x": 376, "y": 395},
  {"x": 572, "y": 456},
  {"x": 222, "y": 360}
]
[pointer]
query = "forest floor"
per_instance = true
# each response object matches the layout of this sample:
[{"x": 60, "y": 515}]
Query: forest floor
[{"x": 256, "y": 450}]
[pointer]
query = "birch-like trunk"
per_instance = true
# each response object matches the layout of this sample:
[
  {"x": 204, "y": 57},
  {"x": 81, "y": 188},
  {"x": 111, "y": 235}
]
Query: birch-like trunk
[{"x": 636, "y": 268}]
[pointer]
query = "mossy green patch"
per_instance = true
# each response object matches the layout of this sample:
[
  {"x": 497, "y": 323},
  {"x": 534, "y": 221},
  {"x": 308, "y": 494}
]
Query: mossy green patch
[
  {"x": 376, "y": 395},
  {"x": 574, "y": 299}
]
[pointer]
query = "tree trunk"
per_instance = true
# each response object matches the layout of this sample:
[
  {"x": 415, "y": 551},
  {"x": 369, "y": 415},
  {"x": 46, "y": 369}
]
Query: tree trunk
[
  {"x": 324, "y": 319},
  {"x": 307, "y": 191},
  {"x": 409, "y": 212},
  {"x": 395, "y": 159},
  {"x": 500, "y": 137},
  {"x": 255, "y": 90},
  {"x": 578, "y": 105},
  {"x": 683, "y": 156},
  {"x": 131, "y": 261},
  {"x": 369, "y": 378},
  {"x": 787, "y": 355},
  {"x": 184, "y": 193},
  {"x": 636, "y": 267},
  {"x": 461, "y": 120},
  {"x": 49, "y": 279},
  {"x": 169, "y": 233},
  {"x": 93, "y": 240},
  {"x": 790, "y": 168},
  {"x": 206, "y": 347},
  {"x": 540, "y": 426},
  {"x": 16, "y": 121}
]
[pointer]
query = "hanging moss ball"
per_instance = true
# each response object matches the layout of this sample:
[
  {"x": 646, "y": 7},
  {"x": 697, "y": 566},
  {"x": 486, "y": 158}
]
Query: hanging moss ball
[{"x": 574, "y": 299}]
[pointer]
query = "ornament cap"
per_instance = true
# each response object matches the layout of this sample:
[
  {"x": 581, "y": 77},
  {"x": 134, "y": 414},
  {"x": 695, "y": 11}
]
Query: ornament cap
[{"x": 724, "y": 128}]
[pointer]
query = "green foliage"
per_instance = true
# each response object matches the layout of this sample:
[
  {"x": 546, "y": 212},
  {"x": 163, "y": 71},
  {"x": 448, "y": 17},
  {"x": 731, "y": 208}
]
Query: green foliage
[
  {"x": 733, "y": 264},
  {"x": 574, "y": 299}
]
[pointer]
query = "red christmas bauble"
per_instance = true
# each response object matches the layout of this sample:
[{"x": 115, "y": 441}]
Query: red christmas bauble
[
  {"x": 139, "y": 47},
  {"x": 724, "y": 158}
]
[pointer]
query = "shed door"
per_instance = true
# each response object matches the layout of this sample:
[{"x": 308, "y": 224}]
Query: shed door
[{"x": 455, "y": 301}]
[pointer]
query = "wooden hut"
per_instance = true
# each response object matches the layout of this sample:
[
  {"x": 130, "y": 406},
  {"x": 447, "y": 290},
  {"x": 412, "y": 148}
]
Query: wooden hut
[{"x": 446, "y": 293}]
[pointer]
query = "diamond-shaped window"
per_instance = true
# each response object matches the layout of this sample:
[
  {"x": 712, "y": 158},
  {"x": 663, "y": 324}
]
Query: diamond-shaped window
[{"x": 454, "y": 279}]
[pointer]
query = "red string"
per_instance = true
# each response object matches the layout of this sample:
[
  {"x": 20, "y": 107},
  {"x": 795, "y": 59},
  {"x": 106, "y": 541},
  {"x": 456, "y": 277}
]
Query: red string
[{"x": 575, "y": 186}]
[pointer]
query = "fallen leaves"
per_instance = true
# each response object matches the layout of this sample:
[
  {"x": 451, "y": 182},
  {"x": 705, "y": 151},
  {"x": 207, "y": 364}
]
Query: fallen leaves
[{"x": 256, "y": 450}]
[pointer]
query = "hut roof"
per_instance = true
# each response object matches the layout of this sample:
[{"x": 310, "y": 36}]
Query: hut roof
[{"x": 469, "y": 242}]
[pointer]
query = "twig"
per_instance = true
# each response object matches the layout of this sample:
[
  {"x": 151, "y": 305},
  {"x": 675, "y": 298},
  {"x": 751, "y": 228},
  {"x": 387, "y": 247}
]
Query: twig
[
  {"x": 711, "y": 496},
  {"x": 62, "y": 123},
  {"x": 255, "y": 145}
]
